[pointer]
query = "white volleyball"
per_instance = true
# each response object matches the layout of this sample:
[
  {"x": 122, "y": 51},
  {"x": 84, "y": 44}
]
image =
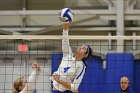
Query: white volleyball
[{"x": 68, "y": 14}]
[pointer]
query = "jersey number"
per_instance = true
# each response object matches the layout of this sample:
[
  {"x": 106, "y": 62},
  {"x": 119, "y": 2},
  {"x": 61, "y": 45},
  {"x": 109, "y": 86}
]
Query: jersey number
[{"x": 66, "y": 69}]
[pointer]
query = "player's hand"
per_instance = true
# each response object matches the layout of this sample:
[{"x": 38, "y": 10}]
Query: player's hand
[
  {"x": 36, "y": 67},
  {"x": 56, "y": 78},
  {"x": 66, "y": 26},
  {"x": 76, "y": 91},
  {"x": 63, "y": 19}
]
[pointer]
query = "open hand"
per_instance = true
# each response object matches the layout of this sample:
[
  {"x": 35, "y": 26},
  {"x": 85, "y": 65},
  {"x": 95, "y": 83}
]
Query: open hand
[{"x": 36, "y": 67}]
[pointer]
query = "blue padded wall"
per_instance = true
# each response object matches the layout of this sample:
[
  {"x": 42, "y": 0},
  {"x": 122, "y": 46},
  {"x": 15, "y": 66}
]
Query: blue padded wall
[
  {"x": 56, "y": 58},
  {"x": 137, "y": 76},
  {"x": 118, "y": 65},
  {"x": 94, "y": 78}
]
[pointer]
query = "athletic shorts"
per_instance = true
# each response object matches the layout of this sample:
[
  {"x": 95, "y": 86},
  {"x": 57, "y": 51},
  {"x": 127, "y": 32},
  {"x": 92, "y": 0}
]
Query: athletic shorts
[{"x": 56, "y": 91}]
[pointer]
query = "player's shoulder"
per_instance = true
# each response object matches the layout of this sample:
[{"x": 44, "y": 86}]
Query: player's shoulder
[{"x": 80, "y": 63}]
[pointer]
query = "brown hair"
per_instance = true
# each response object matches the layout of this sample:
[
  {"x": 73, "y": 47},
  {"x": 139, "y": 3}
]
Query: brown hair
[{"x": 18, "y": 82}]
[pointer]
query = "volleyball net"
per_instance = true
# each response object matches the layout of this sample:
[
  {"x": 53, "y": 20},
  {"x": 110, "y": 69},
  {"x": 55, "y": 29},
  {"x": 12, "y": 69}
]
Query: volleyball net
[{"x": 113, "y": 57}]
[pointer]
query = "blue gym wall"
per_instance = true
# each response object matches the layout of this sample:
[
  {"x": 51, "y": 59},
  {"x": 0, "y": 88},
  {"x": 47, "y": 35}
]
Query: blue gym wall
[
  {"x": 137, "y": 76},
  {"x": 107, "y": 80},
  {"x": 95, "y": 77},
  {"x": 56, "y": 58},
  {"x": 118, "y": 65}
]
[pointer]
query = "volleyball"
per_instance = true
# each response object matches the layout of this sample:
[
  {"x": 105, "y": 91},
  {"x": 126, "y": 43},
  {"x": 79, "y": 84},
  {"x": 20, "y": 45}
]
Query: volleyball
[{"x": 66, "y": 15}]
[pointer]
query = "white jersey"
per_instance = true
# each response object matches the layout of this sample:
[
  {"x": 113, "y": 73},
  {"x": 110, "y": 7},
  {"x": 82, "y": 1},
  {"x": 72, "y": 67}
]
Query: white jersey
[
  {"x": 31, "y": 83},
  {"x": 69, "y": 70}
]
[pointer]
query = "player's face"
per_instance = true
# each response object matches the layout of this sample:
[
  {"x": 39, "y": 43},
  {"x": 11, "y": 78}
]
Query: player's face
[
  {"x": 82, "y": 51},
  {"x": 24, "y": 81},
  {"x": 124, "y": 84}
]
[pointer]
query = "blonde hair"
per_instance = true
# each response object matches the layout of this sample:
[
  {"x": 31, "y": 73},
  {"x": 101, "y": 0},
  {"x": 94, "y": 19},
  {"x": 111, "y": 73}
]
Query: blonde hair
[{"x": 18, "y": 82}]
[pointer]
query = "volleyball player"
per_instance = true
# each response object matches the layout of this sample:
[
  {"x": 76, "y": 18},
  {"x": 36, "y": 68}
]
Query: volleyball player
[
  {"x": 125, "y": 86},
  {"x": 21, "y": 85},
  {"x": 72, "y": 68}
]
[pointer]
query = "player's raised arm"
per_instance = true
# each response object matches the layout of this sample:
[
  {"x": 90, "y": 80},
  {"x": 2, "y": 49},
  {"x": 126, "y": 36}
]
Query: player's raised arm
[
  {"x": 21, "y": 85},
  {"x": 65, "y": 41},
  {"x": 66, "y": 16}
]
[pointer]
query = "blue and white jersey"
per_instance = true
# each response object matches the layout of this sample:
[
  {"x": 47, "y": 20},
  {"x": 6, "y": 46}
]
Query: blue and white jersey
[{"x": 69, "y": 70}]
